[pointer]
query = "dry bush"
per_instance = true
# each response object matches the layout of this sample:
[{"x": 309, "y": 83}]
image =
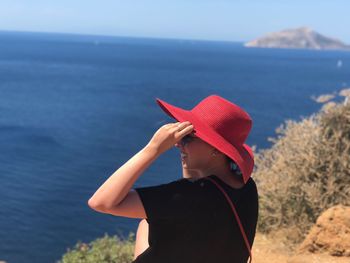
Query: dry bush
[{"x": 306, "y": 171}]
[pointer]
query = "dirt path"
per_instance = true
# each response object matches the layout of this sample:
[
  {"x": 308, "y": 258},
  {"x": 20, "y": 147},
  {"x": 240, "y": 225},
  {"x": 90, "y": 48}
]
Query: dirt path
[{"x": 266, "y": 250}]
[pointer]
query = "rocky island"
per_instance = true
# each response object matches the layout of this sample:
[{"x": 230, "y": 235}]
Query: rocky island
[{"x": 302, "y": 37}]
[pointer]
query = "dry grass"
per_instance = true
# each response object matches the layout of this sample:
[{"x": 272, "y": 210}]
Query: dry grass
[
  {"x": 306, "y": 171},
  {"x": 270, "y": 249}
]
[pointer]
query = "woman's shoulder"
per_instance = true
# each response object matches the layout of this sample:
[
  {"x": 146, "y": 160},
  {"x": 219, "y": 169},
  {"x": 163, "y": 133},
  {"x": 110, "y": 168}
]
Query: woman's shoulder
[
  {"x": 248, "y": 186},
  {"x": 200, "y": 187}
]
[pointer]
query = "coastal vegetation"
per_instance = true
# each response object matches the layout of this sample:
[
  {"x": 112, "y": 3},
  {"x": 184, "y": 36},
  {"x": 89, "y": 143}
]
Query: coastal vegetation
[
  {"x": 307, "y": 169},
  {"x": 107, "y": 249}
]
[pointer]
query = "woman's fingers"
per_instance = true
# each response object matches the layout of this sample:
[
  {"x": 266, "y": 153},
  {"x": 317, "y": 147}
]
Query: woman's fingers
[
  {"x": 166, "y": 136},
  {"x": 180, "y": 126},
  {"x": 186, "y": 130}
]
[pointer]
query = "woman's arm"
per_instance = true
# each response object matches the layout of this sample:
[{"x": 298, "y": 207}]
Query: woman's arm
[
  {"x": 141, "y": 242},
  {"x": 116, "y": 187},
  {"x": 109, "y": 196}
]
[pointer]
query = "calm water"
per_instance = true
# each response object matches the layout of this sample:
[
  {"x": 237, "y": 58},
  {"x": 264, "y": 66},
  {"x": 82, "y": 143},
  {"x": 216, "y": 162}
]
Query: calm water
[{"x": 74, "y": 108}]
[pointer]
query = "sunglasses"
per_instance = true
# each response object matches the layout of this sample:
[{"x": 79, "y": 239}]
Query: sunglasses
[{"x": 187, "y": 139}]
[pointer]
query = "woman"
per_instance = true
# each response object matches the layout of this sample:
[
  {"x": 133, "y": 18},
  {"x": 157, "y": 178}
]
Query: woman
[{"x": 189, "y": 219}]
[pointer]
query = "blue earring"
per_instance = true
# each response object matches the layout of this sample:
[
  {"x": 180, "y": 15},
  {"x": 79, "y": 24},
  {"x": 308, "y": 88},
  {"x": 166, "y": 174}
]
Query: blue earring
[{"x": 234, "y": 167}]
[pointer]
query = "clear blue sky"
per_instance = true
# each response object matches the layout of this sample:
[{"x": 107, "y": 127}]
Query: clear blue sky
[{"x": 232, "y": 20}]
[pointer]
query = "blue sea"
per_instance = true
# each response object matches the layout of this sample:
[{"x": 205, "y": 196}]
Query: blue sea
[{"x": 74, "y": 108}]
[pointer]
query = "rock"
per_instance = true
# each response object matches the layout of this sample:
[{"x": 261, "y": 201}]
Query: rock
[
  {"x": 302, "y": 37},
  {"x": 330, "y": 234}
]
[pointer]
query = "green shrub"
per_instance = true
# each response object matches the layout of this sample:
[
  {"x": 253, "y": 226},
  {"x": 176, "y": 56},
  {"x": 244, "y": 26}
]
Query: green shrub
[
  {"x": 306, "y": 171},
  {"x": 102, "y": 250}
]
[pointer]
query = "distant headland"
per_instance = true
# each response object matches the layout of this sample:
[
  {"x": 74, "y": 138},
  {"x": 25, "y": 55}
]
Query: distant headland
[{"x": 302, "y": 37}]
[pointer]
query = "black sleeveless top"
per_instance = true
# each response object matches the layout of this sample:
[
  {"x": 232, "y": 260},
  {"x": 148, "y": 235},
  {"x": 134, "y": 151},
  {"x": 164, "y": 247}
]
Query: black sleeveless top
[{"x": 192, "y": 222}]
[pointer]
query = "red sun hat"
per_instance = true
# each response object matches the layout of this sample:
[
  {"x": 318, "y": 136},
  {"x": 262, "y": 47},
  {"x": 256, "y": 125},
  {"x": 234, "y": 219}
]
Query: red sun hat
[{"x": 222, "y": 124}]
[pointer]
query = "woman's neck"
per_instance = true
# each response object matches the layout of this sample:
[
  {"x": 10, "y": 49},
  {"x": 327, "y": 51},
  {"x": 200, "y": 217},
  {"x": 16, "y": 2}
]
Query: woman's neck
[{"x": 226, "y": 176}]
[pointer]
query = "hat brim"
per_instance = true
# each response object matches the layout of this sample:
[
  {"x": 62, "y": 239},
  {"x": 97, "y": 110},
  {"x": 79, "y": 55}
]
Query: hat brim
[{"x": 241, "y": 154}]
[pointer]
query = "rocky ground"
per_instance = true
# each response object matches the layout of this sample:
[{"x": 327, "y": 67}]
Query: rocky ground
[
  {"x": 268, "y": 250},
  {"x": 328, "y": 241}
]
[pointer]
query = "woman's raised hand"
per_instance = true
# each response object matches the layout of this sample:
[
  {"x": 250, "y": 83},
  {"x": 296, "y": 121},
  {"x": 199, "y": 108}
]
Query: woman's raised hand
[{"x": 169, "y": 134}]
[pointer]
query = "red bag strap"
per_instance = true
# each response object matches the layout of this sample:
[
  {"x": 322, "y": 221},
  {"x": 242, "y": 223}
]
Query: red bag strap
[{"x": 236, "y": 215}]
